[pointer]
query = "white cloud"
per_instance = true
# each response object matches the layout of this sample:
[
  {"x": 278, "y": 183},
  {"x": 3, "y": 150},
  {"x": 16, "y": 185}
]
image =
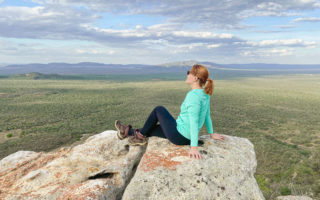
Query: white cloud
[
  {"x": 289, "y": 42},
  {"x": 43, "y": 23},
  {"x": 38, "y": 1},
  {"x": 267, "y": 53},
  {"x": 63, "y": 23},
  {"x": 284, "y": 26},
  {"x": 280, "y": 52},
  {"x": 139, "y": 26},
  {"x": 20, "y": 51},
  {"x": 187, "y": 28},
  {"x": 95, "y": 51},
  {"x": 307, "y": 19},
  {"x": 63, "y": 20},
  {"x": 206, "y": 13},
  {"x": 202, "y": 34},
  {"x": 271, "y": 6},
  {"x": 25, "y": 14},
  {"x": 301, "y": 4},
  {"x": 210, "y": 46}
]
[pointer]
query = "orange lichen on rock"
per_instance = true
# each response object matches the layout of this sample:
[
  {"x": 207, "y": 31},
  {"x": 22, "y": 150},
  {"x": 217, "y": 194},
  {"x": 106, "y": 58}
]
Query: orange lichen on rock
[
  {"x": 8, "y": 177},
  {"x": 93, "y": 169},
  {"x": 152, "y": 160},
  {"x": 58, "y": 174},
  {"x": 80, "y": 191}
]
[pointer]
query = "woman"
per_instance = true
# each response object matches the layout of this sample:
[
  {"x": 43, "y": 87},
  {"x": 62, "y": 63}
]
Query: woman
[{"x": 195, "y": 111}]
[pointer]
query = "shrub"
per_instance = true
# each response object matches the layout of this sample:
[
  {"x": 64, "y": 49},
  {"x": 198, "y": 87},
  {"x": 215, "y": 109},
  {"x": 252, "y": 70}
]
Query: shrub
[
  {"x": 263, "y": 184},
  {"x": 316, "y": 160},
  {"x": 284, "y": 190}
]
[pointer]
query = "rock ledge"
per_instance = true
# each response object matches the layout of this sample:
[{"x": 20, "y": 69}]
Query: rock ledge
[{"x": 102, "y": 168}]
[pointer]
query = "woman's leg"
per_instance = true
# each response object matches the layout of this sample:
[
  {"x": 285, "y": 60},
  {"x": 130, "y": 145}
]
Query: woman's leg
[
  {"x": 168, "y": 126},
  {"x": 156, "y": 131},
  {"x": 150, "y": 126}
]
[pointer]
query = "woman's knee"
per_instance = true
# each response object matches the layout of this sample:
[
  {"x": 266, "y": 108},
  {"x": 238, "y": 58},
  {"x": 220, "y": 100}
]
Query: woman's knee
[{"x": 160, "y": 108}]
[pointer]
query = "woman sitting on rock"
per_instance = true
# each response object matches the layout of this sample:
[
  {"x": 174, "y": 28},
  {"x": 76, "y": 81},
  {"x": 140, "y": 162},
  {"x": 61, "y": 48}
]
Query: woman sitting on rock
[{"x": 195, "y": 111}]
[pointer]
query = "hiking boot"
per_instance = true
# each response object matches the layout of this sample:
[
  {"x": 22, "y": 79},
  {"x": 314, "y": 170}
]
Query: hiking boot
[
  {"x": 137, "y": 138},
  {"x": 123, "y": 130}
]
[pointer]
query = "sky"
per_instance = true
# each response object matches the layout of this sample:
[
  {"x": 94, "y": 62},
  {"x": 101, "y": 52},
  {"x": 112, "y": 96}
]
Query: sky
[{"x": 160, "y": 31}]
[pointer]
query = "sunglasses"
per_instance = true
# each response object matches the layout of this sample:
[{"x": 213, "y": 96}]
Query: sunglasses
[
  {"x": 196, "y": 68},
  {"x": 188, "y": 72}
]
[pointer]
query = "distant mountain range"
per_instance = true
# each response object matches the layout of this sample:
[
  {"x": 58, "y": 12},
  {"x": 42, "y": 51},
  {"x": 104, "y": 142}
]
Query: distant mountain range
[{"x": 93, "y": 68}]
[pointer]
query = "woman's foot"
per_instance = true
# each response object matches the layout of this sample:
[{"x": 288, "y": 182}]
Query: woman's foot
[
  {"x": 123, "y": 130},
  {"x": 137, "y": 138}
]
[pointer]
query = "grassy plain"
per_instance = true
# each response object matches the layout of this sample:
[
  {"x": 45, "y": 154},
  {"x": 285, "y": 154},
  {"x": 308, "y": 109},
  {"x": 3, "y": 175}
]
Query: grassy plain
[{"x": 280, "y": 115}]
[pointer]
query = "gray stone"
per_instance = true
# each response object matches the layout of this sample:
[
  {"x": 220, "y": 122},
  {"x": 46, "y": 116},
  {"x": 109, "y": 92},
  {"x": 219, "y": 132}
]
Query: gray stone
[
  {"x": 225, "y": 172},
  {"x": 100, "y": 168},
  {"x": 103, "y": 165}
]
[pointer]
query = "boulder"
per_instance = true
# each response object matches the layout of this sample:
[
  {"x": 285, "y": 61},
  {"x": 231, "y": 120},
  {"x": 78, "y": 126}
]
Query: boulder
[
  {"x": 104, "y": 167},
  {"x": 100, "y": 168},
  {"x": 225, "y": 172}
]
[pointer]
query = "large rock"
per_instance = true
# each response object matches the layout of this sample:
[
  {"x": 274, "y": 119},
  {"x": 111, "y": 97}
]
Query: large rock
[
  {"x": 103, "y": 165},
  {"x": 166, "y": 172},
  {"x": 100, "y": 168}
]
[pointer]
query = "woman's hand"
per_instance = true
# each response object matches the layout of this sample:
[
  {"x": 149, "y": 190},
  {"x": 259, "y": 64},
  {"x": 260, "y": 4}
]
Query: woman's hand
[
  {"x": 217, "y": 136},
  {"x": 194, "y": 153}
]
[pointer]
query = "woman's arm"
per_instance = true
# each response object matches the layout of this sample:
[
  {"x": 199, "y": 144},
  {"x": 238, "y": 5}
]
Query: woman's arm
[
  {"x": 208, "y": 120},
  {"x": 193, "y": 107},
  {"x": 194, "y": 153},
  {"x": 210, "y": 129}
]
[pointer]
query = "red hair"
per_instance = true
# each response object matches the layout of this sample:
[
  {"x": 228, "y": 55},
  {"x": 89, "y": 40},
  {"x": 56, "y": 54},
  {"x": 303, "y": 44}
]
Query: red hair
[{"x": 202, "y": 73}]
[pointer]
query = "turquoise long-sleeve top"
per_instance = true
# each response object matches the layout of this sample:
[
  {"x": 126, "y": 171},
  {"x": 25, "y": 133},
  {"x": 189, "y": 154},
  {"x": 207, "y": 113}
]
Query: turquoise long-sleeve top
[{"x": 195, "y": 111}]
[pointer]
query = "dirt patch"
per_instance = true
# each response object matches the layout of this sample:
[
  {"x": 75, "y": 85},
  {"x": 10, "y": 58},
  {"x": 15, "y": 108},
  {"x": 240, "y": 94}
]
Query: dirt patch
[{"x": 4, "y": 135}]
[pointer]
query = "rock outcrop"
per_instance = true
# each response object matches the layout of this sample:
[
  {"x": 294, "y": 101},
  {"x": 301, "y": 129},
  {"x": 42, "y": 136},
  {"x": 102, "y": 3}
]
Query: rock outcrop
[
  {"x": 226, "y": 172},
  {"x": 102, "y": 168}
]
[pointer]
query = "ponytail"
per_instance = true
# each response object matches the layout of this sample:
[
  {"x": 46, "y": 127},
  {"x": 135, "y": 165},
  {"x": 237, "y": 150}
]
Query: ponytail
[
  {"x": 209, "y": 87},
  {"x": 202, "y": 73}
]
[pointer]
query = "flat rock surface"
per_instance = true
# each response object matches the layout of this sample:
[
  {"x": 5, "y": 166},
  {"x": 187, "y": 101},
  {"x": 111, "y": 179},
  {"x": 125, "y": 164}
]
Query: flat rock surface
[{"x": 225, "y": 172}]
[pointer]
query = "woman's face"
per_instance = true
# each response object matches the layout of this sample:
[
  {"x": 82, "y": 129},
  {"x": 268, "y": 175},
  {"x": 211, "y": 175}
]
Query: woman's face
[{"x": 191, "y": 78}]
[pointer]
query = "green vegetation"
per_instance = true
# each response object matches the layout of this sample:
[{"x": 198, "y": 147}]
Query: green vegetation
[
  {"x": 278, "y": 114},
  {"x": 285, "y": 190}
]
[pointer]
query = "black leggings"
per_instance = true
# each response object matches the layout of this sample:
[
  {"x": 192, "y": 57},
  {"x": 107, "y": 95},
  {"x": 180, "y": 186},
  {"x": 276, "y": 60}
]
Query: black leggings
[{"x": 166, "y": 129}]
